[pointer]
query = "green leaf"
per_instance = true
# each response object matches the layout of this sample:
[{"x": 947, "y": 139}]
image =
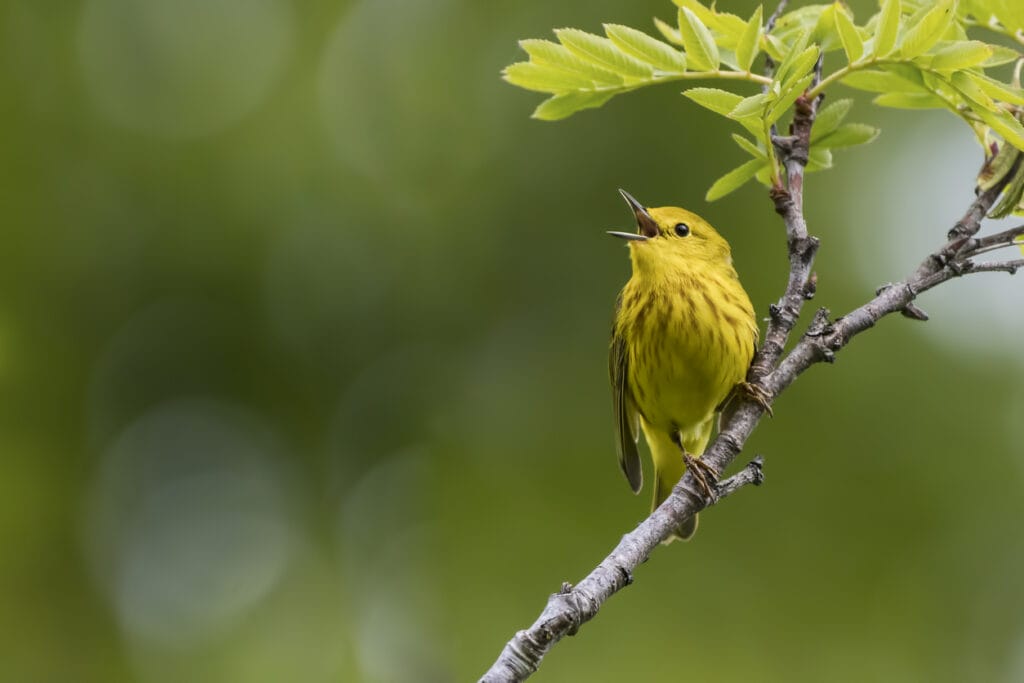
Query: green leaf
[
  {"x": 750, "y": 106},
  {"x": 603, "y": 52},
  {"x": 970, "y": 89},
  {"x": 825, "y": 33},
  {"x": 1001, "y": 55},
  {"x": 1009, "y": 12},
  {"x": 796, "y": 50},
  {"x": 749, "y": 147},
  {"x": 723, "y": 102},
  {"x": 705, "y": 14},
  {"x": 775, "y": 48},
  {"x": 996, "y": 90},
  {"x": 544, "y": 78},
  {"x": 719, "y": 101},
  {"x": 729, "y": 27},
  {"x": 799, "y": 67},
  {"x": 1004, "y": 124},
  {"x": 829, "y": 118},
  {"x": 853, "y": 46},
  {"x": 734, "y": 179},
  {"x": 910, "y": 100},
  {"x": 640, "y": 45},
  {"x": 779, "y": 107},
  {"x": 671, "y": 33},
  {"x": 922, "y": 35},
  {"x": 790, "y": 25},
  {"x": 1009, "y": 200},
  {"x": 880, "y": 81},
  {"x": 701, "y": 51},
  {"x": 962, "y": 54},
  {"x": 819, "y": 159},
  {"x": 728, "y": 58},
  {"x": 887, "y": 29},
  {"x": 552, "y": 54},
  {"x": 848, "y": 135},
  {"x": 998, "y": 165},
  {"x": 566, "y": 104},
  {"x": 746, "y": 48}
]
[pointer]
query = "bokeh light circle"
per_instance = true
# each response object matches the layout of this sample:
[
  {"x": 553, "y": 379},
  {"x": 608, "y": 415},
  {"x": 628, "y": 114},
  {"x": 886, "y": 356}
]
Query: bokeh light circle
[
  {"x": 188, "y": 524},
  {"x": 417, "y": 139},
  {"x": 184, "y": 68}
]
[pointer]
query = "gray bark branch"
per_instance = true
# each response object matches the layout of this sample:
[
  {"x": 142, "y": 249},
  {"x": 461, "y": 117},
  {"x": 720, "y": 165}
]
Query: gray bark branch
[
  {"x": 771, "y": 373},
  {"x": 573, "y": 606}
]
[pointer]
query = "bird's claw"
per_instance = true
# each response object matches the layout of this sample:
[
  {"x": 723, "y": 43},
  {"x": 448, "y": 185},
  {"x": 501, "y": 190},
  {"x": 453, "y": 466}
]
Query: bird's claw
[
  {"x": 758, "y": 394},
  {"x": 705, "y": 475}
]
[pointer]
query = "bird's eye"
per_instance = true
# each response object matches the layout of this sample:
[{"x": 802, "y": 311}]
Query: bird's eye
[{"x": 682, "y": 229}]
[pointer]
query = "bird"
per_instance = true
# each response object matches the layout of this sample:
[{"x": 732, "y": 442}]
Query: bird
[{"x": 683, "y": 336}]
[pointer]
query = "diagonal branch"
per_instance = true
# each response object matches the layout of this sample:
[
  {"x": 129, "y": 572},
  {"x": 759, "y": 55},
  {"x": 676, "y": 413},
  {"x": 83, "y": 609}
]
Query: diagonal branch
[
  {"x": 573, "y": 606},
  {"x": 771, "y": 372},
  {"x": 567, "y": 610},
  {"x": 1011, "y": 267},
  {"x": 789, "y": 204},
  {"x": 779, "y": 9},
  {"x": 996, "y": 241},
  {"x": 951, "y": 260}
]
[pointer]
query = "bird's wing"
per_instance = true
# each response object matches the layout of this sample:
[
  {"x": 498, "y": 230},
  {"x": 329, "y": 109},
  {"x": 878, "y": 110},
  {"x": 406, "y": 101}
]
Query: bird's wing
[{"x": 626, "y": 418}]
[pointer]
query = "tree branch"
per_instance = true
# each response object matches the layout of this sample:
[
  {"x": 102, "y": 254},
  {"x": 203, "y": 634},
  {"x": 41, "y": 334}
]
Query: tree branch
[
  {"x": 567, "y": 610},
  {"x": 770, "y": 24},
  {"x": 573, "y": 606},
  {"x": 997, "y": 240},
  {"x": 1011, "y": 267},
  {"x": 802, "y": 247},
  {"x": 953, "y": 259}
]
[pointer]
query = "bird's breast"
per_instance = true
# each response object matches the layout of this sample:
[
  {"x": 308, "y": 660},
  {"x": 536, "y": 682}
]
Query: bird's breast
[{"x": 689, "y": 341}]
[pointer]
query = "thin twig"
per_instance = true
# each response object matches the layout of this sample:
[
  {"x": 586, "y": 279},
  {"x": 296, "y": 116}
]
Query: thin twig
[
  {"x": 999, "y": 239},
  {"x": 996, "y": 247},
  {"x": 1010, "y": 266},
  {"x": 769, "y": 63},
  {"x": 775, "y": 16},
  {"x": 941, "y": 266},
  {"x": 801, "y": 284}
]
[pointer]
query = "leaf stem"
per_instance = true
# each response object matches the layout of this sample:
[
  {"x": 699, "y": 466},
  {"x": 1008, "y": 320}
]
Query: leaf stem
[
  {"x": 725, "y": 75},
  {"x": 710, "y": 75},
  {"x": 666, "y": 77}
]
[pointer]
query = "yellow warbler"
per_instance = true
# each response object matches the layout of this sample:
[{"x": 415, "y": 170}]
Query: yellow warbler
[{"x": 682, "y": 340}]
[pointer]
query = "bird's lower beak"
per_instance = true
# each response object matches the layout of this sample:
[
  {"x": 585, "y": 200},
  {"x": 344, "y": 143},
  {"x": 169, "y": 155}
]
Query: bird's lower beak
[
  {"x": 628, "y": 235},
  {"x": 646, "y": 225}
]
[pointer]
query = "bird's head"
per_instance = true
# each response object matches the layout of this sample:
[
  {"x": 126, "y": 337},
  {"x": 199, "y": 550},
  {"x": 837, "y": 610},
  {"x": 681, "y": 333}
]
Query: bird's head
[{"x": 670, "y": 235}]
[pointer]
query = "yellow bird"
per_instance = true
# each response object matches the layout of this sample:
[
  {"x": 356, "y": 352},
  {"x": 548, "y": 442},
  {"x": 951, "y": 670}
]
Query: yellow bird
[{"x": 683, "y": 337}]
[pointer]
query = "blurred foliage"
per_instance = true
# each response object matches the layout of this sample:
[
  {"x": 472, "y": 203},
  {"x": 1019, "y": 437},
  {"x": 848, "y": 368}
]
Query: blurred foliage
[{"x": 303, "y": 328}]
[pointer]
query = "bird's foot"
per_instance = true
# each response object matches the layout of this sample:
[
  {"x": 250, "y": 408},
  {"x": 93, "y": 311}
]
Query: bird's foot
[
  {"x": 705, "y": 475},
  {"x": 756, "y": 393}
]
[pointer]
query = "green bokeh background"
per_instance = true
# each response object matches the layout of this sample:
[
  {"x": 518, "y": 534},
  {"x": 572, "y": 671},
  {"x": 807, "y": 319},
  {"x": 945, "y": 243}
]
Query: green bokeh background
[{"x": 303, "y": 326}]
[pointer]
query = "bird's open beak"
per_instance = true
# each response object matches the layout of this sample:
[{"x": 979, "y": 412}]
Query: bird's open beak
[
  {"x": 646, "y": 226},
  {"x": 628, "y": 235}
]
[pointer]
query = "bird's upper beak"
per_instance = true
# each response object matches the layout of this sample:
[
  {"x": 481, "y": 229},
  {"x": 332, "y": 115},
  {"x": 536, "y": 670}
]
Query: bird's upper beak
[{"x": 646, "y": 226}]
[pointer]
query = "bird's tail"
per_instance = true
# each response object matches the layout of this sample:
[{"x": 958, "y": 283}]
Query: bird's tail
[{"x": 668, "y": 469}]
